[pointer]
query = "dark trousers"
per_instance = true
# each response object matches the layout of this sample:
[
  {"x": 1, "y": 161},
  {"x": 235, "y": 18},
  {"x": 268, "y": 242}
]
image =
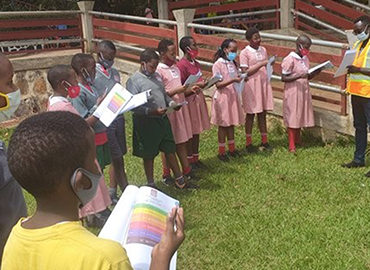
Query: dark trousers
[{"x": 361, "y": 122}]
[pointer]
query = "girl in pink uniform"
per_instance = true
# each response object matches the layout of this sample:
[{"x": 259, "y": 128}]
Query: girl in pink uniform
[
  {"x": 196, "y": 102},
  {"x": 64, "y": 83},
  {"x": 257, "y": 95},
  {"x": 297, "y": 102},
  {"x": 226, "y": 108},
  {"x": 180, "y": 120}
]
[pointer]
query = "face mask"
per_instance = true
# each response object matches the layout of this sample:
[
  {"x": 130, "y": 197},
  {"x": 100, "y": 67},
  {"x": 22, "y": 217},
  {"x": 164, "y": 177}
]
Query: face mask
[
  {"x": 85, "y": 195},
  {"x": 86, "y": 76},
  {"x": 303, "y": 51},
  {"x": 105, "y": 63},
  {"x": 363, "y": 35},
  {"x": 73, "y": 91},
  {"x": 231, "y": 56},
  {"x": 192, "y": 53},
  {"x": 13, "y": 100},
  {"x": 145, "y": 71},
  {"x": 169, "y": 62}
]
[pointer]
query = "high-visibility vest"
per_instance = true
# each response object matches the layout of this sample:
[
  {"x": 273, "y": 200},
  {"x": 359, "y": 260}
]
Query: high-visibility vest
[{"x": 359, "y": 84}]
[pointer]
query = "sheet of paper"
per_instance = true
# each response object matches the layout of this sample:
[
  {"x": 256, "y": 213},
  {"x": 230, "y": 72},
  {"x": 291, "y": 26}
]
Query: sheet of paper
[
  {"x": 270, "y": 68},
  {"x": 192, "y": 79},
  {"x": 112, "y": 105},
  {"x": 147, "y": 224},
  {"x": 351, "y": 38},
  {"x": 213, "y": 81},
  {"x": 136, "y": 101},
  {"x": 239, "y": 87},
  {"x": 117, "y": 224},
  {"x": 172, "y": 108},
  {"x": 325, "y": 65},
  {"x": 348, "y": 59}
]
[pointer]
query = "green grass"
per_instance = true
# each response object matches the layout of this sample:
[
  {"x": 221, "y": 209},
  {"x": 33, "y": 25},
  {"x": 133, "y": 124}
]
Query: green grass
[{"x": 271, "y": 210}]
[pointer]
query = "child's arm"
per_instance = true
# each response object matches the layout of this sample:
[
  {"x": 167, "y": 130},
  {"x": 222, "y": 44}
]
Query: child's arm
[
  {"x": 177, "y": 90},
  {"x": 255, "y": 68},
  {"x": 292, "y": 78},
  {"x": 223, "y": 84},
  {"x": 170, "y": 241},
  {"x": 314, "y": 74}
]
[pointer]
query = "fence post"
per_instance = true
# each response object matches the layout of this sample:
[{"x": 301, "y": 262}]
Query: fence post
[
  {"x": 183, "y": 17},
  {"x": 87, "y": 24},
  {"x": 162, "y": 11},
  {"x": 286, "y": 17}
]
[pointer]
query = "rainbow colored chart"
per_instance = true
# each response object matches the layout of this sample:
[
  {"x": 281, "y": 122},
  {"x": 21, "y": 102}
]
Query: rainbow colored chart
[
  {"x": 147, "y": 225},
  {"x": 116, "y": 102}
]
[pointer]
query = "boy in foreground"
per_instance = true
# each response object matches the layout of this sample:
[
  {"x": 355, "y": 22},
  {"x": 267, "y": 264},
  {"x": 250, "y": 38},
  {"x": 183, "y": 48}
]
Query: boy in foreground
[{"x": 52, "y": 156}]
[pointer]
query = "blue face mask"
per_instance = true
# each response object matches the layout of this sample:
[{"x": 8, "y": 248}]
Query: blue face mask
[
  {"x": 363, "y": 35},
  {"x": 231, "y": 56}
]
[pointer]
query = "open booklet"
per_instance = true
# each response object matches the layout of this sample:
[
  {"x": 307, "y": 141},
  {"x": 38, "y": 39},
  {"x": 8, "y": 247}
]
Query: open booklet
[
  {"x": 138, "y": 222},
  {"x": 192, "y": 80},
  {"x": 119, "y": 101},
  {"x": 348, "y": 58},
  {"x": 175, "y": 107},
  {"x": 239, "y": 87},
  {"x": 325, "y": 65},
  {"x": 213, "y": 81}
]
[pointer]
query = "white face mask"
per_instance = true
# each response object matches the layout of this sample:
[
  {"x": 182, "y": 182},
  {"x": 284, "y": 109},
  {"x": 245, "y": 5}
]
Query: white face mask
[
  {"x": 14, "y": 99},
  {"x": 363, "y": 35}
]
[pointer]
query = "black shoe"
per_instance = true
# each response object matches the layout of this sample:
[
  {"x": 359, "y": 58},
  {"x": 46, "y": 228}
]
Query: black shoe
[
  {"x": 201, "y": 165},
  {"x": 194, "y": 166},
  {"x": 353, "y": 164},
  {"x": 265, "y": 147},
  {"x": 234, "y": 154},
  {"x": 182, "y": 183},
  {"x": 168, "y": 180},
  {"x": 251, "y": 149},
  {"x": 192, "y": 176},
  {"x": 223, "y": 158}
]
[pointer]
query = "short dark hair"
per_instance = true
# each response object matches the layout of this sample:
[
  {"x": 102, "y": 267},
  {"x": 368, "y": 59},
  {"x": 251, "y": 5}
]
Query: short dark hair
[
  {"x": 107, "y": 44},
  {"x": 57, "y": 74},
  {"x": 185, "y": 42},
  {"x": 148, "y": 54},
  {"x": 363, "y": 18},
  {"x": 46, "y": 147},
  {"x": 250, "y": 32},
  {"x": 80, "y": 60},
  {"x": 163, "y": 45}
]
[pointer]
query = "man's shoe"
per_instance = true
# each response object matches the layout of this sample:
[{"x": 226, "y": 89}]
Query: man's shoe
[
  {"x": 168, "y": 180},
  {"x": 265, "y": 147},
  {"x": 353, "y": 164},
  {"x": 251, "y": 149},
  {"x": 223, "y": 158}
]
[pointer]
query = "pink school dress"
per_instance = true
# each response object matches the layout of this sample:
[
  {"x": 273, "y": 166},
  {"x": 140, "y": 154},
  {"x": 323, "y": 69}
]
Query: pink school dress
[
  {"x": 180, "y": 120},
  {"x": 297, "y": 102},
  {"x": 197, "y": 104},
  {"x": 257, "y": 95},
  {"x": 226, "y": 109},
  {"x": 101, "y": 200}
]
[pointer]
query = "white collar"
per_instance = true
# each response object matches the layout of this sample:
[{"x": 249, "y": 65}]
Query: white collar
[
  {"x": 163, "y": 65},
  {"x": 222, "y": 60},
  {"x": 56, "y": 99},
  {"x": 295, "y": 55},
  {"x": 249, "y": 48}
]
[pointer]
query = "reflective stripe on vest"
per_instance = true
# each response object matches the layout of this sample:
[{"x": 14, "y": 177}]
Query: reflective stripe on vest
[{"x": 359, "y": 84}]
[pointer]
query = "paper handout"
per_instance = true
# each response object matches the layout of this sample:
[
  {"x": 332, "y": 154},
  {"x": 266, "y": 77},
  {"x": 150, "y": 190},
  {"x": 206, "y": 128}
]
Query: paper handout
[
  {"x": 270, "y": 68},
  {"x": 138, "y": 222},
  {"x": 325, "y": 65},
  {"x": 115, "y": 103},
  {"x": 213, "y": 81},
  {"x": 192, "y": 79},
  {"x": 348, "y": 59},
  {"x": 173, "y": 108},
  {"x": 239, "y": 87}
]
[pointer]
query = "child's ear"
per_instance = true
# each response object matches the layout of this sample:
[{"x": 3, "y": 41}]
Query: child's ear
[{"x": 82, "y": 182}]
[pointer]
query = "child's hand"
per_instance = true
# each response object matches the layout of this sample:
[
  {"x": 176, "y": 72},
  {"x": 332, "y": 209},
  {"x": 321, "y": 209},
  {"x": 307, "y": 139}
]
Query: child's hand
[
  {"x": 304, "y": 76},
  {"x": 203, "y": 83},
  {"x": 195, "y": 89},
  {"x": 237, "y": 79},
  {"x": 100, "y": 99},
  {"x": 171, "y": 238},
  {"x": 158, "y": 112}
]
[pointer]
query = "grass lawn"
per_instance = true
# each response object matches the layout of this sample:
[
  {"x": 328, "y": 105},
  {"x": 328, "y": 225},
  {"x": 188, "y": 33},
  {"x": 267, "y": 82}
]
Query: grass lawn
[{"x": 271, "y": 210}]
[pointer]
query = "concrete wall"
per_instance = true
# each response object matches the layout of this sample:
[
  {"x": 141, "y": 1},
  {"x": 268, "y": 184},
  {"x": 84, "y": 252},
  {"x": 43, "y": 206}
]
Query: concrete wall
[{"x": 30, "y": 76}]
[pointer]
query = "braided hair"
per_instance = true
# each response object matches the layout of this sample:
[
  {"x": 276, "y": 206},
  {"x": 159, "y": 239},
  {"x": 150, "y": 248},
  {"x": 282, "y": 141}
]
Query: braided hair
[{"x": 221, "y": 53}]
